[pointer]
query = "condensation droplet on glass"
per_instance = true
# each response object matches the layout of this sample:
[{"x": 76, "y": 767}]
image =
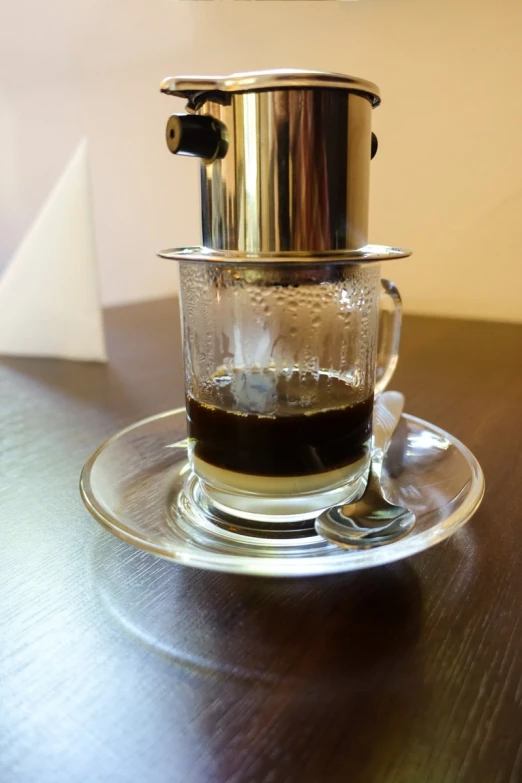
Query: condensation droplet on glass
[{"x": 222, "y": 380}]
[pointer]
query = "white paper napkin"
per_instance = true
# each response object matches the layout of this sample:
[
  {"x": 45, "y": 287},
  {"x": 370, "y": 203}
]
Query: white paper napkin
[{"x": 49, "y": 293}]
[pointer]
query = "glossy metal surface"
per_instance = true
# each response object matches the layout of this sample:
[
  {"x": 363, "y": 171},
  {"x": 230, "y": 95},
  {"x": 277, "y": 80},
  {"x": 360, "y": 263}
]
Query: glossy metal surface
[
  {"x": 196, "y": 87},
  {"x": 295, "y": 177},
  {"x": 370, "y": 254},
  {"x": 372, "y": 520}
]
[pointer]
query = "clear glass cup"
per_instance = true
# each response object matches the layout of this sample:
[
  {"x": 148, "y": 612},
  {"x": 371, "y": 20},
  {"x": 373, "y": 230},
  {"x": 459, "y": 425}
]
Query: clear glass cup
[{"x": 282, "y": 362}]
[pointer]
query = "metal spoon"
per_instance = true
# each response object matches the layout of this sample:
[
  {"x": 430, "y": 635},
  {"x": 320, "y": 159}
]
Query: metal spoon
[{"x": 371, "y": 521}]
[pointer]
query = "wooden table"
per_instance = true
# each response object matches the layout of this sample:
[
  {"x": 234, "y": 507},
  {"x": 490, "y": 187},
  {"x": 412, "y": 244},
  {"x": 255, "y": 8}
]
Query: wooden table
[{"x": 116, "y": 666}]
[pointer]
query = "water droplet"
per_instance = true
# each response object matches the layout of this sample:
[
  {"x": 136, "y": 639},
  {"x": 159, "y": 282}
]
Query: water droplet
[{"x": 222, "y": 380}]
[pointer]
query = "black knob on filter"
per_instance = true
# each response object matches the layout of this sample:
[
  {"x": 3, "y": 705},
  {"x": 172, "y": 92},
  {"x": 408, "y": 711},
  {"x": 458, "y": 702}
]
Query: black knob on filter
[
  {"x": 375, "y": 145},
  {"x": 199, "y": 136}
]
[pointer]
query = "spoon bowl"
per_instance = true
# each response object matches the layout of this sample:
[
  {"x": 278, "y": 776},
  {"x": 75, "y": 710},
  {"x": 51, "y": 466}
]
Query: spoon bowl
[{"x": 369, "y": 522}]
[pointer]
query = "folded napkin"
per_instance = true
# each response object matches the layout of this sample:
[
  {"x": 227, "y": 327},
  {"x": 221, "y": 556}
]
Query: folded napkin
[{"x": 49, "y": 292}]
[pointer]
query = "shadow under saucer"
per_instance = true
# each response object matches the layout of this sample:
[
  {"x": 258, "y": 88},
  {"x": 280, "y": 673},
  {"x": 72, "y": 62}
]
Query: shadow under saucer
[{"x": 340, "y": 628}]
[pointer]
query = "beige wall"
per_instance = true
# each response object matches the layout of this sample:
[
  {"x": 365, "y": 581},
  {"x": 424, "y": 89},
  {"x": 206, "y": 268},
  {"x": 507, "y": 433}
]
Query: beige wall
[{"x": 447, "y": 181}]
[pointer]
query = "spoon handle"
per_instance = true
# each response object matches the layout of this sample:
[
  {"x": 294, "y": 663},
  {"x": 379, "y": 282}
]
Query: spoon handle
[{"x": 387, "y": 413}]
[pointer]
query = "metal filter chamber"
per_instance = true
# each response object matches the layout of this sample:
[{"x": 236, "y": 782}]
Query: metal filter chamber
[{"x": 285, "y": 158}]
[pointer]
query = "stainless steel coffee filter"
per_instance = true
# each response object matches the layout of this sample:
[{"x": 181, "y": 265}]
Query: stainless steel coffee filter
[{"x": 285, "y": 158}]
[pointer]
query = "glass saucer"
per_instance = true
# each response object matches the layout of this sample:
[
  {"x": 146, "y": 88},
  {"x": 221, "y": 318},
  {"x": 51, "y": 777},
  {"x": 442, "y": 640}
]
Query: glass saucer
[{"x": 139, "y": 485}]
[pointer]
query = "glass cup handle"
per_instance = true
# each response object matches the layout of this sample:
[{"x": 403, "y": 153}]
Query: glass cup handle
[{"x": 390, "y": 319}]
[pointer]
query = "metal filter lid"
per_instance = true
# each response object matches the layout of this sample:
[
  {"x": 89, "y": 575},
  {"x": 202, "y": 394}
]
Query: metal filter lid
[{"x": 195, "y": 87}]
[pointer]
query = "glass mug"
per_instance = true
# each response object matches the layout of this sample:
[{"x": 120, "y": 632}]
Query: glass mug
[{"x": 282, "y": 362}]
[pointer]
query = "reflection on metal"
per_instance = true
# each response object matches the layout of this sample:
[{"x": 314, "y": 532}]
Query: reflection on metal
[{"x": 295, "y": 176}]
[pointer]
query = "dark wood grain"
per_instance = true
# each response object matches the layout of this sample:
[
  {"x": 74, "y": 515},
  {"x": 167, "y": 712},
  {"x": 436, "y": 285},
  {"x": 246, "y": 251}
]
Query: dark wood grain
[{"x": 116, "y": 666}]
